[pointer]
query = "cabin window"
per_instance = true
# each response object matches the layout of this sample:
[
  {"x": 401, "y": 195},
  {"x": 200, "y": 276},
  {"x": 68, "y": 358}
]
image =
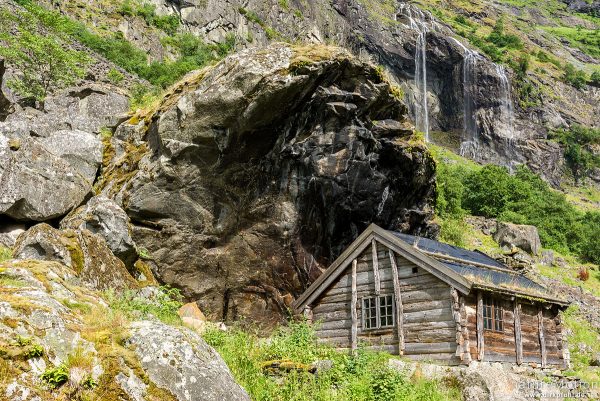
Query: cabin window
[
  {"x": 492, "y": 315},
  {"x": 378, "y": 312},
  {"x": 415, "y": 269}
]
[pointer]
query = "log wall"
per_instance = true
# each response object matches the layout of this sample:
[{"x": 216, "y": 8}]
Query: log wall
[
  {"x": 502, "y": 347},
  {"x": 428, "y": 325}
]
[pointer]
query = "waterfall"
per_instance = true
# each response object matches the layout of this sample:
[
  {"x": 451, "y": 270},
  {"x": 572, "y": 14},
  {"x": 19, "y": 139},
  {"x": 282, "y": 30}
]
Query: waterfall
[
  {"x": 417, "y": 21},
  {"x": 422, "y": 113},
  {"x": 469, "y": 146},
  {"x": 506, "y": 106}
]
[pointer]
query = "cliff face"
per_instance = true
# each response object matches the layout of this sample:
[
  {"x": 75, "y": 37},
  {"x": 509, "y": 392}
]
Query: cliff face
[
  {"x": 453, "y": 90},
  {"x": 262, "y": 169}
]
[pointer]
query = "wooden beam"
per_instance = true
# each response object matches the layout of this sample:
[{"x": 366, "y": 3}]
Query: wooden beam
[
  {"x": 541, "y": 333},
  {"x": 518, "y": 341},
  {"x": 465, "y": 332},
  {"x": 399, "y": 306},
  {"x": 480, "y": 343},
  {"x": 375, "y": 267},
  {"x": 353, "y": 313}
]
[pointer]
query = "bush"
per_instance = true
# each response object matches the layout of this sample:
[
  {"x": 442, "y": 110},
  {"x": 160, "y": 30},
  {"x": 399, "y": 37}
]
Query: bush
[
  {"x": 500, "y": 39},
  {"x": 521, "y": 198},
  {"x": 45, "y": 62},
  {"x": 595, "y": 78},
  {"x": 55, "y": 377},
  {"x": 115, "y": 76},
  {"x": 577, "y": 141},
  {"x": 574, "y": 77},
  {"x": 124, "y": 54}
]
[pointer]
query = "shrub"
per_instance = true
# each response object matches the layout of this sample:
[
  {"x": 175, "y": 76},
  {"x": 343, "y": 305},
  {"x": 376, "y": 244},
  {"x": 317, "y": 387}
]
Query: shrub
[
  {"x": 500, "y": 39},
  {"x": 115, "y": 76},
  {"x": 55, "y": 377},
  {"x": 45, "y": 62},
  {"x": 595, "y": 78},
  {"x": 5, "y": 253},
  {"x": 577, "y": 141},
  {"x": 574, "y": 77},
  {"x": 362, "y": 376},
  {"x": 583, "y": 273}
]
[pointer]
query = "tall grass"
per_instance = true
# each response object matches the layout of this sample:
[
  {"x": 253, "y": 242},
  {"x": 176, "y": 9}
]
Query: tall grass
[{"x": 362, "y": 377}]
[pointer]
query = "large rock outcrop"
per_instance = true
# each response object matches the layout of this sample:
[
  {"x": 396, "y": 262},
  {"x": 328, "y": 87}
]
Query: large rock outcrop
[{"x": 263, "y": 168}]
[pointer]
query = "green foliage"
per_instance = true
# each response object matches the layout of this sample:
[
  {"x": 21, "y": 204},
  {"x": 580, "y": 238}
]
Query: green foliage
[
  {"x": 284, "y": 4},
  {"x": 55, "y": 377},
  {"x": 453, "y": 232},
  {"x": 23, "y": 341},
  {"x": 147, "y": 11},
  {"x": 163, "y": 304},
  {"x": 521, "y": 198},
  {"x": 45, "y": 62},
  {"x": 595, "y": 78},
  {"x": 583, "y": 340},
  {"x": 587, "y": 40},
  {"x": 89, "y": 383},
  {"x": 362, "y": 377},
  {"x": 577, "y": 141},
  {"x": 124, "y": 54},
  {"x": 114, "y": 76},
  {"x": 5, "y": 253},
  {"x": 34, "y": 351},
  {"x": 502, "y": 40},
  {"x": 573, "y": 76}
]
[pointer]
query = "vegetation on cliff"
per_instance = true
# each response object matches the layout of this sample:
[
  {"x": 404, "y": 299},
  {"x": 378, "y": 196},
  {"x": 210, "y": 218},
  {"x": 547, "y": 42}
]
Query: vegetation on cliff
[{"x": 521, "y": 198}]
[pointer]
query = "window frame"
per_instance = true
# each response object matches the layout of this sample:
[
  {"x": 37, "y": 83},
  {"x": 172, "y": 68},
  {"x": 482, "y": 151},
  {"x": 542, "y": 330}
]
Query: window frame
[
  {"x": 378, "y": 316},
  {"x": 495, "y": 317}
]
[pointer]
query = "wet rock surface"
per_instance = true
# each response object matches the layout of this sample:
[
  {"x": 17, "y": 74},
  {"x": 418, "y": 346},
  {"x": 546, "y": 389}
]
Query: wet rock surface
[{"x": 261, "y": 171}]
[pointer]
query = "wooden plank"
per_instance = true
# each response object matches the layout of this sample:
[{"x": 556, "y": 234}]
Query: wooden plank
[
  {"x": 375, "y": 267},
  {"x": 399, "y": 306},
  {"x": 480, "y": 345},
  {"x": 518, "y": 342},
  {"x": 353, "y": 313},
  {"x": 430, "y": 348},
  {"x": 542, "y": 339}
]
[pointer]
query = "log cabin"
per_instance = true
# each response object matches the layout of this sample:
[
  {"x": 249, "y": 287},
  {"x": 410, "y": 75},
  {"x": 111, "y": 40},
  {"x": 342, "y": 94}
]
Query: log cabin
[{"x": 432, "y": 301}]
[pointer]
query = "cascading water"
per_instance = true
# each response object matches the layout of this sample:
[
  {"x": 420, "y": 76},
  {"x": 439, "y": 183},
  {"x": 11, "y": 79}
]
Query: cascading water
[
  {"x": 506, "y": 107},
  {"x": 422, "y": 114},
  {"x": 417, "y": 20},
  {"x": 470, "y": 140}
]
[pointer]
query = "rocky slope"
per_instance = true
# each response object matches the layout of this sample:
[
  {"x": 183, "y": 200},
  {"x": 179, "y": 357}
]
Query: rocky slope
[
  {"x": 60, "y": 341},
  {"x": 486, "y": 109}
]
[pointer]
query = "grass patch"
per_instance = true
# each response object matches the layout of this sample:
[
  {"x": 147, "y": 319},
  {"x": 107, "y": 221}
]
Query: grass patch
[
  {"x": 584, "y": 343},
  {"x": 163, "y": 304},
  {"x": 364, "y": 376},
  {"x": 5, "y": 253}
]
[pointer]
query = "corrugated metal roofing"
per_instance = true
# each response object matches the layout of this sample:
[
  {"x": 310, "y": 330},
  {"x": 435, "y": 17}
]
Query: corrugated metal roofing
[
  {"x": 432, "y": 246},
  {"x": 497, "y": 275}
]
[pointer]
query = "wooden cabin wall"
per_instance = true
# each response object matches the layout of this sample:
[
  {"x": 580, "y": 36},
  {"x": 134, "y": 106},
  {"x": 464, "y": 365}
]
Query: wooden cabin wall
[
  {"x": 501, "y": 347},
  {"x": 429, "y": 328}
]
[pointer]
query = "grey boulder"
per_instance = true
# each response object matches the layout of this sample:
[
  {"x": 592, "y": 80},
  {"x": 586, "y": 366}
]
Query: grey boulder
[
  {"x": 82, "y": 150},
  {"x": 36, "y": 184},
  {"x": 104, "y": 217},
  {"x": 87, "y": 254},
  {"x": 179, "y": 360},
  {"x": 521, "y": 236}
]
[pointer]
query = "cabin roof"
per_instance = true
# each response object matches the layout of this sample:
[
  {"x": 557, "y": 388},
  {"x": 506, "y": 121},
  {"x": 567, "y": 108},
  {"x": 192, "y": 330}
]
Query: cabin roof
[{"x": 460, "y": 268}]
